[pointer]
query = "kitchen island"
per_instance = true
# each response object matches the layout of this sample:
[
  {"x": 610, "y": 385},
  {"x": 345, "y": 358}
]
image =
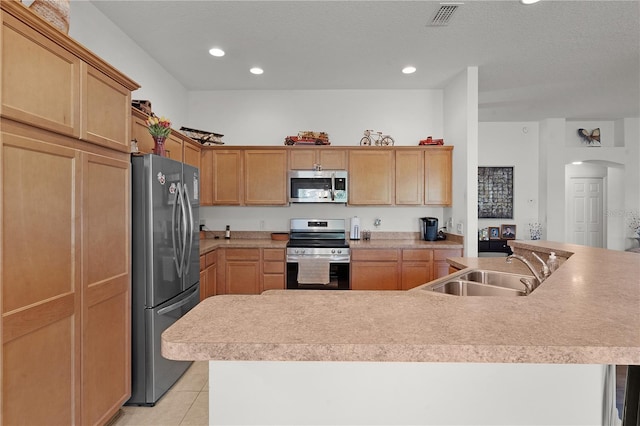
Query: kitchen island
[{"x": 584, "y": 316}]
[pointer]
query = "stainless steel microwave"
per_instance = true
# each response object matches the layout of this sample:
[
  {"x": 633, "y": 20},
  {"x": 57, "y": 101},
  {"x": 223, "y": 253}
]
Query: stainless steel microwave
[{"x": 318, "y": 186}]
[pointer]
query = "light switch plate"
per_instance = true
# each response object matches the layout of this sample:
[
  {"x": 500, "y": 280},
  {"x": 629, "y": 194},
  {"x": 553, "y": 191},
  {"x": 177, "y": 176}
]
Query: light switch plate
[{"x": 459, "y": 228}]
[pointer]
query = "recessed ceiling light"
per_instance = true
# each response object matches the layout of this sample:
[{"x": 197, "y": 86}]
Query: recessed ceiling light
[
  {"x": 256, "y": 70},
  {"x": 408, "y": 70},
  {"x": 529, "y": 1},
  {"x": 577, "y": 163},
  {"x": 217, "y": 52}
]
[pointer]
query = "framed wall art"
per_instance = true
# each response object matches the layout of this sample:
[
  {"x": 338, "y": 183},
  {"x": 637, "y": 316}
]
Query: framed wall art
[
  {"x": 494, "y": 233},
  {"x": 495, "y": 192},
  {"x": 508, "y": 232}
]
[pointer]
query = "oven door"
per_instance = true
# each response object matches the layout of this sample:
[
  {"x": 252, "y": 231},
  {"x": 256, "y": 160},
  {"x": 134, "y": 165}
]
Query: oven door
[{"x": 338, "y": 278}]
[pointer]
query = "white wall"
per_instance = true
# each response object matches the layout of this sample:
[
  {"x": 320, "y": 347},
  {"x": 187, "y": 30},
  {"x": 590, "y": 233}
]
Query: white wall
[
  {"x": 618, "y": 159},
  {"x": 265, "y": 117},
  {"x": 92, "y": 29},
  {"x": 461, "y": 129},
  {"x": 513, "y": 144}
]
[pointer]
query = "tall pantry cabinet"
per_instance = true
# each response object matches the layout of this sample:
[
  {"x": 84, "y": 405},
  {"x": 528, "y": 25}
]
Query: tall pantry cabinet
[{"x": 65, "y": 213}]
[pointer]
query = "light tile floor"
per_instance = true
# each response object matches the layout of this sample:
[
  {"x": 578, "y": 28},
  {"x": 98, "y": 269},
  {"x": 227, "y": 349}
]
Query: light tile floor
[{"x": 186, "y": 403}]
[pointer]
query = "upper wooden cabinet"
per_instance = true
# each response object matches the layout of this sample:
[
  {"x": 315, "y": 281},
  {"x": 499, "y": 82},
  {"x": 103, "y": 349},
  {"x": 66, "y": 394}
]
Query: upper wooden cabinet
[
  {"x": 423, "y": 176},
  {"x": 265, "y": 177},
  {"x": 191, "y": 154},
  {"x": 377, "y": 176},
  {"x": 222, "y": 177},
  {"x": 307, "y": 158},
  {"x": 46, "y": 84},
  {"x": 410, "y": 177},
  {"x": 173, "y": 145},
  {"x": 243, "y": 177},
  {"x": 371, "y": 176},
  {"x": 40, "y": 79},
  {"x": 438, "y": 176},
  {"x": 104, "y": 102},
  {"x": 179, "y": 147},
  {"x": 139, "y": 131}
]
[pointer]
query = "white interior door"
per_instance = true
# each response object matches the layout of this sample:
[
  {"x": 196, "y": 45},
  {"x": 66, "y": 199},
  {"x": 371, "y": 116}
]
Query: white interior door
[{"x": 585, "y": 211}]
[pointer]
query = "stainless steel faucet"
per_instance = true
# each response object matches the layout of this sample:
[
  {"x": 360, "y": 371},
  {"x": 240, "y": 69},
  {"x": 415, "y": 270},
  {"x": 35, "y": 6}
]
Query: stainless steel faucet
[{"x": 540, "y": 276}]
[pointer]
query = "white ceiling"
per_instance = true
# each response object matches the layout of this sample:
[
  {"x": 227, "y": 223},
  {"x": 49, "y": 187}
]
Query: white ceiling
[{"x": 578, "y": 60}]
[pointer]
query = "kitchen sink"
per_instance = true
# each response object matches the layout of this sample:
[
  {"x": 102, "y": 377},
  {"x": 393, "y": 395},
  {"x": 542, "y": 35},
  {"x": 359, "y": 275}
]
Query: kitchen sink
[
  {"x": 500, "y": 279},
  {"x": 480, "y": 282},
  {"x": 460, "y": 287}
]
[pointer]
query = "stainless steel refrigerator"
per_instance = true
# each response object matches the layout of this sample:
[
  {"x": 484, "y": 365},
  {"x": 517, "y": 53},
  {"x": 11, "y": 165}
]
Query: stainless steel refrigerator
[{"x": 165, "y": 267}]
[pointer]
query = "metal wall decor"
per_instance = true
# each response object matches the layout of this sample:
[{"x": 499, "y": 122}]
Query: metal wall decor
[{"x": 495, "y": 192}]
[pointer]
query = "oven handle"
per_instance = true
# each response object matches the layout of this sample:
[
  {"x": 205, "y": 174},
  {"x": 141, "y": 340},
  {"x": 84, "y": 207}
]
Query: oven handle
[{"x": 294, "y": 259}]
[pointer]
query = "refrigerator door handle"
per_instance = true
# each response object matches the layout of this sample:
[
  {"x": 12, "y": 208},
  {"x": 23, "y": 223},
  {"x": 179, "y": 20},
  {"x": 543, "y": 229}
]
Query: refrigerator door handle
[
  {"x": 176, "y": 250},
  {"x": 190, "y": 228},
  {"x": 186, "y": 300},
  {"x": 183, "y": 233}
]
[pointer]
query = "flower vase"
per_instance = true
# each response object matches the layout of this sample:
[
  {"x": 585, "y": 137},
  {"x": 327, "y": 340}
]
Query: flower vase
[{"x": 158, "y": 147}]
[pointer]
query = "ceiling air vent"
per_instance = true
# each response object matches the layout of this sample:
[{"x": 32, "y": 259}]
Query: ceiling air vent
[{"x": 443, "y": 15}]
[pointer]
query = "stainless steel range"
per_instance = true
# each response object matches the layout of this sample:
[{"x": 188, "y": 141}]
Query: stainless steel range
[{"x": 318, "y": 256}]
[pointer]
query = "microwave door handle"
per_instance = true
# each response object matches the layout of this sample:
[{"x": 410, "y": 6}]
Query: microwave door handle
[{"x": 333, "y": 186}]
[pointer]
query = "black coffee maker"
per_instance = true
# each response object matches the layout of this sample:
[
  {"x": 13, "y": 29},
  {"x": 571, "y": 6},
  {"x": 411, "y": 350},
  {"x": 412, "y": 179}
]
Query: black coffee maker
[{"x": 429, "y": 226}]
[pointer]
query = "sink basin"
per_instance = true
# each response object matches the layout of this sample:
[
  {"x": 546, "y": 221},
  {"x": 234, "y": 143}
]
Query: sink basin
[
  {"x": 500, "y": 279},
  {"x": 460, "y": 287}
]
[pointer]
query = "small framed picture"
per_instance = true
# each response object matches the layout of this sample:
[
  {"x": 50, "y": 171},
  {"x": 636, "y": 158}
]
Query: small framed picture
[
  {"x": 508, "y": 232},
  {"x": 494, "y": 233}
]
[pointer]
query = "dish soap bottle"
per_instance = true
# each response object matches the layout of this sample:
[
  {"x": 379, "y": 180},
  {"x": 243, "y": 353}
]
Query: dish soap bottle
[
  {"x": 552, "y": 262},
  {"x": 227, "y": 233}
]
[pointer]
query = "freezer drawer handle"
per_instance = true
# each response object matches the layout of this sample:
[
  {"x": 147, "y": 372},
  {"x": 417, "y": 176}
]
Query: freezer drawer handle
[{"x": 179, "y": 304}]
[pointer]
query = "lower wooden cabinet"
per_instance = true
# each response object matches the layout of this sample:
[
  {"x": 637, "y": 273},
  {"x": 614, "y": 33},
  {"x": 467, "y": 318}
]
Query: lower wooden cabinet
[
  {"x": 374, "y": 269},
  {"x": 417, "y": 268},
  {"x": 106, "y": 305},
  {"x": 398, "y": 269},
  {"x": 242, "y": 271},
  {"x": 247, "y": 271},
  {"x": 208, "y": 274},
  {"x": 440, "y": 264},
  {"x": 66, "y": 312},
  {"x": 273, "y": 269},
  {"x": 41, "y": 288}
]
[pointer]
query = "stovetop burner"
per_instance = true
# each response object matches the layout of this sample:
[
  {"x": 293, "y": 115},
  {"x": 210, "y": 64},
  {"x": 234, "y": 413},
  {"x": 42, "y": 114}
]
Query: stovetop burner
[
  {"x": 318, "y": 233},
  {"x": 313, "y": 238}
]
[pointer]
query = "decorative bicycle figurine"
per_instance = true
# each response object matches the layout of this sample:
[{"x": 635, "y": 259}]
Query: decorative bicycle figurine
[{"x": 372, "y": 137}]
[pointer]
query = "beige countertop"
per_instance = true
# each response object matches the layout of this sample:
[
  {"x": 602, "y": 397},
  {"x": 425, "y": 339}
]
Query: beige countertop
[
  {"x": 263, "y": 240},
  {"x": 587, "y": 312}
]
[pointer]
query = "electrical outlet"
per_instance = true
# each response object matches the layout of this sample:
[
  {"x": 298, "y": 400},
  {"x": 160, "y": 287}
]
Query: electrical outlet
[
  {"x": 262, "y": 225},
  {"x": 459, "y": 228}
]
